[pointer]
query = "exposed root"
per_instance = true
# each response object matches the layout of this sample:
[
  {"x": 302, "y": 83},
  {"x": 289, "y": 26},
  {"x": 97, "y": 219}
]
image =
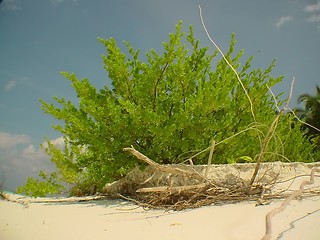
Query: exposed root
[
  {"x": 285, "y": 203},
  {"x": 194, "y": 196},
  {"x": 26, "y": 201},
  {"x": 7, "y": 198},
  {"x": 180, "y": 186},
  {"x": 161, "y": 167}
]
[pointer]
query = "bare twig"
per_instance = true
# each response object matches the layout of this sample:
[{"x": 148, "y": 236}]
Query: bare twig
[
  {"x": 288, "y": 108},
  {"x": 294, "y": 114},
  {"x": 160, "y": 167},
  {"x": 213, "y": 143},
  {"x": 172, "y": 189},
  {"x": 264, "y": 148},
  {"x": 285, "y": 203},
  {"x": 67, "y": 200},
  {"x": 270, "y": 134},
  {"x": 303, "y": 122},
  {"x": 225, "y": 140},
  {"x": 229, "y": 64},
  {"x": 7, "y": 198},
  {"x": 144, "y": 205}
]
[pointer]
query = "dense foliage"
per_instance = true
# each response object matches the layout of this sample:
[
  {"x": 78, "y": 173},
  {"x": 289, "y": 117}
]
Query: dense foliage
[{"x": 169, "y": 107}]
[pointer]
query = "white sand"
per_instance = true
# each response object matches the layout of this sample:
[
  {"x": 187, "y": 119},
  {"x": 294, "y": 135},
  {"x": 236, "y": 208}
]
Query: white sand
[
  {"x": 115, "y": 219},
  {"x": 119, "y": 220}
]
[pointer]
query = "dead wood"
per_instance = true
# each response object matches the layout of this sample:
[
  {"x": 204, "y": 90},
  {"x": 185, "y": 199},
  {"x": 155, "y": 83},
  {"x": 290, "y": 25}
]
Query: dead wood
[
  {"x": 173, "y": 189},
  {"x": 285, "y": 203},
  {"x": 182, "y": 186},
  {"x": 168, "y": 169},
  {"x": 26, "y": 200}
]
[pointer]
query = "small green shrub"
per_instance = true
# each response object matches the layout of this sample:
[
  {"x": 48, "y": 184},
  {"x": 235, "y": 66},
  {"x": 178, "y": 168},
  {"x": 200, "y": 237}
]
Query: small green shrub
[
  {"x": 169, "y": 107},
  {"x": 41, "y": 188}
]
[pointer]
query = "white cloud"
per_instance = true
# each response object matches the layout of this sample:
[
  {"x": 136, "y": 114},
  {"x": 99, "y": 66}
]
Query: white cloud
[
  {"x": 33, "y": 154},
  {"x": 20, "y": 159},
  {"x": 314, "y": 10},
  {"x": 8, "y": 140},
  {"x": 56, "y": 2},
  {"x": 11, "y": 5},
  {"x": 10, "y": 84},
  {"x": 314, "y": 18},
  {"x": 283, "y": 20},
  {"x": 312, "y": 7},
  {"x": 58, "y": 142}
]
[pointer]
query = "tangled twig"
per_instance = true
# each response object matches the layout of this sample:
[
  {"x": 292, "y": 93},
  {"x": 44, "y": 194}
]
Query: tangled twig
[{"x": 199, "y": 192}]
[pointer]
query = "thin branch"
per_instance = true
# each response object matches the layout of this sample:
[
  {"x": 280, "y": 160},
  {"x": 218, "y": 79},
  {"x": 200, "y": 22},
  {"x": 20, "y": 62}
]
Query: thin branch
[
  {"x": 177, "y": 189},
  {"x": 156, "y": 85},
  {"x": 224, "y": 140},
  {"x": 270, "y": 134},
  {"x": 226, "y": 60},
  {"x": 160, "y": 167},
  {"x": 213, "y": 143},
  {"x": 288, "y": 108},
  {"x": 303, "y": 122},
  {"x": 274, "y": 98},
  {"x": 285, "y": 203}
]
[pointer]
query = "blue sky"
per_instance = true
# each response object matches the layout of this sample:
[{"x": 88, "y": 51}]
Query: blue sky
[{"x": 40, "y": 38}]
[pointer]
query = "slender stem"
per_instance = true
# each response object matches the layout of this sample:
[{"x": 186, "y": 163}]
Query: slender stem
[
  {"x": 213, "y": 143},
  {"x": 229, "y": 64}
]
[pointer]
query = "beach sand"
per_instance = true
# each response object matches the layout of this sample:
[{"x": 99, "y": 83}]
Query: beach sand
[
  {"x": 113, "y": 219},
  {"x": 118, "y": 219}
]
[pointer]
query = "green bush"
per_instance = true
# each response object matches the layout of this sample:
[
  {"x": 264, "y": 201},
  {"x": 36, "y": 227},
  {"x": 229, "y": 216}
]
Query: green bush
[
  {"x": 36, "y": 188},
  {"x": 169, "y": 107}
]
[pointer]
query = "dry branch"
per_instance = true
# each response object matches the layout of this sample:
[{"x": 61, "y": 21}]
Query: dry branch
[
  {"x": 6, "y": 197},
  {"x": 153, "y": 188},
  {"x": 173, "y": 189},
  {"x": 25, "y": 201},
  {"x": 229, "y": 64},
  {"x": 270, "y": 133},
  {"x": 213, "y": 143},
  {"x": 285, "y": 203},
  {"x": 168, "y": 169},
  {"x": 188, "y": 194}
]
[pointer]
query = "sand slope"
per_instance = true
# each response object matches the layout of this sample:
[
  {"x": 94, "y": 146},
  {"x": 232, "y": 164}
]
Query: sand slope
[{"x": 117, "y": 219}]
